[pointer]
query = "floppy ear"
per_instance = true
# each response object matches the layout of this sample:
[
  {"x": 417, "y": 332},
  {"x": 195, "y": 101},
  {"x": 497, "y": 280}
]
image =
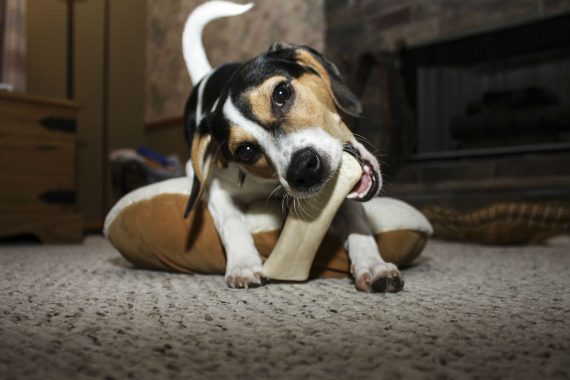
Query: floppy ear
[
  {"x": 343, "y": 97},
  {"x": 202, "y": 151},
  {"x": 280, "y": 45}
]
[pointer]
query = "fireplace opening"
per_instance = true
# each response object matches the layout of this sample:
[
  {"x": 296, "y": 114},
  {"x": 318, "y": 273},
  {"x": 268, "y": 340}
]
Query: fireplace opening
[{"x": 500, "y": 91}]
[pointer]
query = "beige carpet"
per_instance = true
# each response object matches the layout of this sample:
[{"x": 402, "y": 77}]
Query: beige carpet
[{"x": 77, "y": 312}]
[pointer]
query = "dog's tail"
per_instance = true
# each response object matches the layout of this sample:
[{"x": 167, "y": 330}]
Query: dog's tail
[{"x": 194, "y": 54}]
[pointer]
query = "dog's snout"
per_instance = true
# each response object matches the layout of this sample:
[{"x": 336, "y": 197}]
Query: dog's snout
[{"x": 305, "y": 170}]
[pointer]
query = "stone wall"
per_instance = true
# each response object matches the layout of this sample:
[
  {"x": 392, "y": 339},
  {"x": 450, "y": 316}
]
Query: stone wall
[
  {"x": 231, "y": 39},
  {"x": 358, "y": 26},
  {"x": 354, "y": 26}
]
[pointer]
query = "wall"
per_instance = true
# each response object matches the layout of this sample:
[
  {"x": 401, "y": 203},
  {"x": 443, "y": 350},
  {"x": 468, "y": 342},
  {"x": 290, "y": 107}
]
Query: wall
[
  {"x": 109, "y": 83},
  {"x": 46, "y": 48},
  {"x": 357, "y": 26},
  {"x": 89, "y": 58},
  {"x": 231, "y": 39},
  {"x": 354, "y": 26}
]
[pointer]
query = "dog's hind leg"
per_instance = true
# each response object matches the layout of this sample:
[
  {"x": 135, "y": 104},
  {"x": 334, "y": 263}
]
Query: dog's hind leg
[{"x": 371, "y": 273}]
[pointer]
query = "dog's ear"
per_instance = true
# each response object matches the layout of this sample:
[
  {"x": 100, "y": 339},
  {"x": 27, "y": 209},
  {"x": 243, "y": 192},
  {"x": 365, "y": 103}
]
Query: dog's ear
[
  {"x": 280, "y": 45},
  {"x": 309, "y": 57},
  {"x": 201, "y": 155},
  {"x": 343, "y": 97}
]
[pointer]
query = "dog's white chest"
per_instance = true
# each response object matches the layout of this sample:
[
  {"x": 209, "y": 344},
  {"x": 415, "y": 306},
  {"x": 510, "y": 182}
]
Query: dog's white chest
[{"x": 253, "y": 188}]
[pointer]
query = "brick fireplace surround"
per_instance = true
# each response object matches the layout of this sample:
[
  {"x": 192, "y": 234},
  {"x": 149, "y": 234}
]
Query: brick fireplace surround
[{"x": 454, "y": 175}]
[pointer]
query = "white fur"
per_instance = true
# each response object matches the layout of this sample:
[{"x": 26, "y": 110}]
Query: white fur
[
  {"x": 172, "y": 186},
  {"x": 243, "y": 260},
  {"x": 367, "y": 265},
  {"x": 264, "y": 216},
  {"x": 200, "y": 106},
  {"x": 388, "y": 214},
  {"x": 227, "y": 203},
  {"x": 194, "y": 54}
]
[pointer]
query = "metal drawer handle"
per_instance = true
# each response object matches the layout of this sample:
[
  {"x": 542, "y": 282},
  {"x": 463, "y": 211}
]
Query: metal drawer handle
[
  {"x": 59, "y": 124},
  {"x": 58, "y": 196}
]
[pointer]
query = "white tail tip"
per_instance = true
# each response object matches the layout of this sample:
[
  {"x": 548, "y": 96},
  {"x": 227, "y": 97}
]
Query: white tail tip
[{"x": 194, "y": 54}]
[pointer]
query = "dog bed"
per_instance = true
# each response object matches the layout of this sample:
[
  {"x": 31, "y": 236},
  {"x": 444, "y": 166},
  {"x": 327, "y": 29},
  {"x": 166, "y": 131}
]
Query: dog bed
[{"x": 147, "y": 227}]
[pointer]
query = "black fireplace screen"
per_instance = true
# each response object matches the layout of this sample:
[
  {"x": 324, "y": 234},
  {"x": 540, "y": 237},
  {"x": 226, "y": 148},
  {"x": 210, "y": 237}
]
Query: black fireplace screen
[{"x": 504, "y": 89}]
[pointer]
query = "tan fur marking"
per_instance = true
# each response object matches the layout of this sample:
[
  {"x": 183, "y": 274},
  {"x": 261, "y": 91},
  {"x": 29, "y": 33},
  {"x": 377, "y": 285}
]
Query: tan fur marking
[
  {"x": 259, "y": 99},
  {"x": 202, "y": 147},
  {"x": 307, "y": 59},
  {"x": 314, "y": 107},
  {"x": 314, "y": 104},
  {"x": 323, "y": 91},
  {"x": 238, "y": 136},
  {"x": 200, "y": 150},
  {"x": 263, "y": 166}
]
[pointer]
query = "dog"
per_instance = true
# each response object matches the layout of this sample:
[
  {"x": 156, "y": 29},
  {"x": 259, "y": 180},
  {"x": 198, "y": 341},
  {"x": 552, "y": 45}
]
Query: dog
[{"x": 271, "y": 126}]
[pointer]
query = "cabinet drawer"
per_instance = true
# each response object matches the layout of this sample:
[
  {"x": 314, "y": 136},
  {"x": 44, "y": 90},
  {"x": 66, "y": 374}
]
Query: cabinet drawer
[
  {"x": 29, "y": 117},
  {"x": 36, "y": 176}
]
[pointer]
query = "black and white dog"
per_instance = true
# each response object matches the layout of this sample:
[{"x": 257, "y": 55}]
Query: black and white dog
[{"x": 273, "y": 123}]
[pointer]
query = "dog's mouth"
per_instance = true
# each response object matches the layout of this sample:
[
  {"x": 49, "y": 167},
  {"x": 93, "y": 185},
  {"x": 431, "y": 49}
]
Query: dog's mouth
[{"x": 367, "y": 187}]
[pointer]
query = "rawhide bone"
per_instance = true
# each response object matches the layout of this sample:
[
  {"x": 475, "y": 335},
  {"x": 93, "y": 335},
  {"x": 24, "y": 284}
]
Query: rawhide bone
[{"x": 293, "y": 255}]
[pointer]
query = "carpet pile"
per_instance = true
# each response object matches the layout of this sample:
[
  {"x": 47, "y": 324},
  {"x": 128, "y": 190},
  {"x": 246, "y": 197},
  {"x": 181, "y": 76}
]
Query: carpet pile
[{"x": 467, "y": 311}]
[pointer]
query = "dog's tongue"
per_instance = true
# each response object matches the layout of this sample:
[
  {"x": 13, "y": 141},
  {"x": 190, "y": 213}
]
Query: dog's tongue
[{"x": 363, "y": 186}]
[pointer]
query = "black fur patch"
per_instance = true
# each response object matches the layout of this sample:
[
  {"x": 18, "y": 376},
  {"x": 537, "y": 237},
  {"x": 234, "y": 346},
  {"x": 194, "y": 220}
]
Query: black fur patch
[{"x": 214, "y": 86}]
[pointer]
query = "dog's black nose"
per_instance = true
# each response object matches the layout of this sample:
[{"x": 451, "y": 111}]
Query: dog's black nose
[{"x": 305, "y": 170}]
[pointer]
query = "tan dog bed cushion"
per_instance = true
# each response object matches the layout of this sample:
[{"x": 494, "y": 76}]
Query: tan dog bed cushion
[{"x": 147, "y": 227}]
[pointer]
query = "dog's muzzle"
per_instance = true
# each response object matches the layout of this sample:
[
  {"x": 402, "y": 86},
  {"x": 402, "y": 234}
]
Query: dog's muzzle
[{"x": 306, "y": 170}]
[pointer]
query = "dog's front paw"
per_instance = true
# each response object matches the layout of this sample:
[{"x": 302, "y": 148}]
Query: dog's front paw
[
  {"x": 246, "y": 276},
  {"x": 377, "y": 276}
]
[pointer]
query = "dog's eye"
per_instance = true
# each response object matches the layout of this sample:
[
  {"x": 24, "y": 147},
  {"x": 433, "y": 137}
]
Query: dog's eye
[
  {"x": 247, "y": 152},
  {"x": 281, "y": 94}
]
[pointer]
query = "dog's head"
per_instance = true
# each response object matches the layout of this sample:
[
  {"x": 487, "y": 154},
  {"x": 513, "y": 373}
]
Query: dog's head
[{"x": 278, "y": 116}]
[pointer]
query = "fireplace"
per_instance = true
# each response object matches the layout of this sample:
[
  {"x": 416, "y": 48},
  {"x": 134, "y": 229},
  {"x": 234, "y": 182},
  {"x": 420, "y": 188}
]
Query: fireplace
[
  {"x": 483, "y": 114},
  {"x": 492, "y": 114},
  {"x": 499, "y": 91}
]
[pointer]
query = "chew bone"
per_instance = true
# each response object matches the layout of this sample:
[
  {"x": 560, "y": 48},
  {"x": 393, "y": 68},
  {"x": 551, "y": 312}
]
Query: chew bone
[{"x": 293, "y": 255}]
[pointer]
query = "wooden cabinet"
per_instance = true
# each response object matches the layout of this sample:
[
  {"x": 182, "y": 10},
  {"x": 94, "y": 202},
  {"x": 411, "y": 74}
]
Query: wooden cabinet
[{"x": 37, "y": 168}]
